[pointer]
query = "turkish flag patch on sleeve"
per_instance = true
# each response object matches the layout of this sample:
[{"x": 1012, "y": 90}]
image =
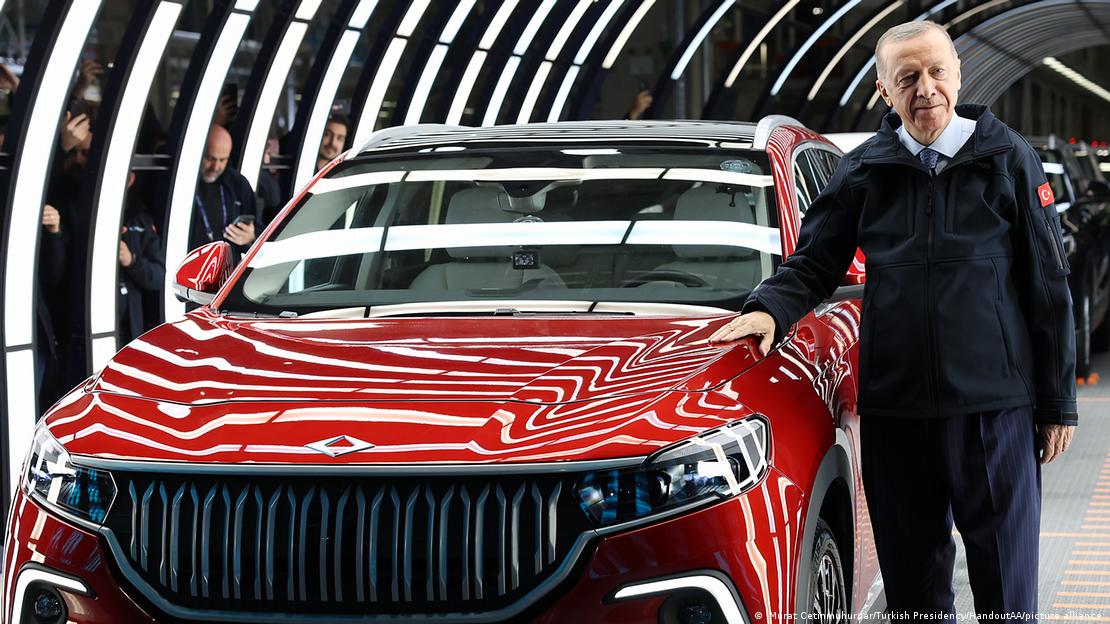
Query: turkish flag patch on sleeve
[{"x": 1044, "y": 192}]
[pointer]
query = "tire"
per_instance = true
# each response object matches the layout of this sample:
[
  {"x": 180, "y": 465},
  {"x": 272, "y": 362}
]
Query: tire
[
  {"x": 827, "y": 591},
  {"x": 1083, "y": 336}
]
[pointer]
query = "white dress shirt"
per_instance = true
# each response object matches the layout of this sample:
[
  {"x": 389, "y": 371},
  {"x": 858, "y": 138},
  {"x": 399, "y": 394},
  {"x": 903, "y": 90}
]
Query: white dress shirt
[{"x": 950, "y": 141}]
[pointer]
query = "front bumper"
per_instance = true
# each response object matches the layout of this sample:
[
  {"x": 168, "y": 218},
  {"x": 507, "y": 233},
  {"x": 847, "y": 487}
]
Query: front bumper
[{"x": 741, "y": 554}]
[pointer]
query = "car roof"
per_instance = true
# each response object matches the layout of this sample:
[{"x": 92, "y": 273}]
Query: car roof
[{"x": 736, "y": 135}]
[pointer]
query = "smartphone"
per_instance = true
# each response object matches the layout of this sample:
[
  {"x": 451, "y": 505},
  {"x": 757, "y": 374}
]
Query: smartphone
[
  {"x": 246, "y": 219},
  {"x": 231, "y": 90},
  {"x": 78, "y": 107}
]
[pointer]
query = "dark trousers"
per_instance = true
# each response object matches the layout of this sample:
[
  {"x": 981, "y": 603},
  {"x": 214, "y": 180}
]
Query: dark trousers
[{"x": 979, "y": 470}]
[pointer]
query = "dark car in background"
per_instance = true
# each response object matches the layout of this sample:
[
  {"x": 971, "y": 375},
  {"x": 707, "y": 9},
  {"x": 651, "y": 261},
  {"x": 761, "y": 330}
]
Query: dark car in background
[{"x": 1083, "y": 200}]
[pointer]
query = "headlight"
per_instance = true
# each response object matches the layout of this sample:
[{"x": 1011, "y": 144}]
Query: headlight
[
  {"x": 51, "y": 479},
  {"x": 715, "y": 465}
]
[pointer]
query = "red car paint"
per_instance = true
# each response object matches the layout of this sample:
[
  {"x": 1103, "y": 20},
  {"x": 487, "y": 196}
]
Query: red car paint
[{"x": 488, "y": 390}]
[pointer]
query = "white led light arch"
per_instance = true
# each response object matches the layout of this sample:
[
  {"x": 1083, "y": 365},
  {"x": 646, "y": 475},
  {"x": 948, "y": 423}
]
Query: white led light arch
[
  {"x": 323, "y": 84},
  {"x": 39, "y": 104},
  {"x": 430, "y": 73},
  {"x": 501, "y": 89},
  {"x": 477, "y": 60},
  {"x": 112, "y": 167},
  {"x": 191, "y": 146}
]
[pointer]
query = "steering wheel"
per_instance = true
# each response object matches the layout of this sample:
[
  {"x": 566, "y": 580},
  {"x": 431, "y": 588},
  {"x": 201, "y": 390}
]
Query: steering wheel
[{"x": 682, "y": 278}]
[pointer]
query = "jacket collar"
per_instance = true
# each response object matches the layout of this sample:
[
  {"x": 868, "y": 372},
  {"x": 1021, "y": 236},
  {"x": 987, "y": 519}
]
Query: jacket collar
[{"x": 990, "y": 136}]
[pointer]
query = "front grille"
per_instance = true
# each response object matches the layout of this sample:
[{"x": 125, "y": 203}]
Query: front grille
[{"x": 341, "y": 545}]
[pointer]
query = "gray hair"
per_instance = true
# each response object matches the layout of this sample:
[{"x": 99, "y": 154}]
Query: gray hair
[{"x": 905, "y": 32}]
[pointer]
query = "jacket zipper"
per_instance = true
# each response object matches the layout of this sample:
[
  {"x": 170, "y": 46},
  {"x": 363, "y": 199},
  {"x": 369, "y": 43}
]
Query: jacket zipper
[
  {"x": 929, "y": 298},
  {"x": 1056, "y": 242}
]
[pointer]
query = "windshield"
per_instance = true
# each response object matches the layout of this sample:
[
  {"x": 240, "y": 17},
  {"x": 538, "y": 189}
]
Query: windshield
[{"x": 522, "y": 230}]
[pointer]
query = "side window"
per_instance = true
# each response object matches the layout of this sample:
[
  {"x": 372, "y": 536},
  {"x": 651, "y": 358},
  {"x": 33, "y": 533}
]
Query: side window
[{"x": 808, "y": 180}]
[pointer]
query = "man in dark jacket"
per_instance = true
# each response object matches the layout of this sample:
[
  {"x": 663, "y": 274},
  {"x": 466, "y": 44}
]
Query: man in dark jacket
[
  {"x": 224, "y": 206},
  {"x": 967, "y": 350},
  {"x": 142, "y": 265}
]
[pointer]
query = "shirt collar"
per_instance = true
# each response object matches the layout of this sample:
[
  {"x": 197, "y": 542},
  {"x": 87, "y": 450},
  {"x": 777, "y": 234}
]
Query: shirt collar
[{"x": 950, "y": 141}]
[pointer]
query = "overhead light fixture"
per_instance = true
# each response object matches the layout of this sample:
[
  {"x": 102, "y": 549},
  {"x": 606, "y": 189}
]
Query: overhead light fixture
[
  {"x": 376, "y": 96},
  {"x": 533, "y": 93},
  {"x": 528, "y": 36},
  {"x": 696, "y": 42},
  {"x": 255, "y": 145},
  {"x": 757, "y": 40},
  {"x": 579, "y": 58},
  {"x": 24, "y": 225},
  {"x": 568, "y": 27},
  {"x": 626, "y": 32},
  {"x": 120, "y": 145},
  {"x": 307, "y": 10},
  {"x": 808, "y": 43},
  {"x": 477, "y": 60},
  {"x": 1077, "y": 78},
  {"x": 372, "y": 108},
  {"x": 500, "y": 90},
  {"x": 321, "y": 105},
  {"x": 562, "y": 95},
  {"x": 848, "y": 45},
  {"x": 192, "y": 149},
  {"x": 361, "y": 14},
  {"x": 435, "y": 62}
]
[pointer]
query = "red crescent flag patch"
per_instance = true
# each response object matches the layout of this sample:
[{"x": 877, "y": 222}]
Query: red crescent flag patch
[{"x": 1044, "y": 192}]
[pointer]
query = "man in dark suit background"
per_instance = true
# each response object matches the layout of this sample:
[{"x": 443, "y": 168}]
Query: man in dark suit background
[
  {"x": 224, "y": 207},
  {"x": 967, "y": 347}
]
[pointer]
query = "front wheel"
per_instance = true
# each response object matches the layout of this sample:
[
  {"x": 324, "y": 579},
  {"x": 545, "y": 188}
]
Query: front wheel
[{"x": 827, "y": 591}]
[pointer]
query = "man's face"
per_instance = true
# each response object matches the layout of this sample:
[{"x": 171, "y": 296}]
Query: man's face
[
  {"x": 215, "y": 161},
  {"x": 921, "y": 82},
  {"x": 335, "y": 135}
]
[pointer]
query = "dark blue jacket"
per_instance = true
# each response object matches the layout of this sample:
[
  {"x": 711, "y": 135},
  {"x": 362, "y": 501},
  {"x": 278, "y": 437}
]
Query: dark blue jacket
[{"x": 966, "y": 307}]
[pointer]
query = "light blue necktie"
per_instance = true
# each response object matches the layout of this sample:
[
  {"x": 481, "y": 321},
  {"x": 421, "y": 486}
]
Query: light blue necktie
[{"x": 929, "y": 158}]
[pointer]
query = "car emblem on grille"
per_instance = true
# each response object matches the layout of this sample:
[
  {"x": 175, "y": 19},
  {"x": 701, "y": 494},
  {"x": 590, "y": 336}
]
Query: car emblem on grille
[{"x": 339, "y": 445}]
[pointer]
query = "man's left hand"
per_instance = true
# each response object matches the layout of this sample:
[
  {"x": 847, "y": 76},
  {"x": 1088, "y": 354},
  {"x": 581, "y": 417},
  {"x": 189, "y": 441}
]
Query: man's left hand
[
  {"x": 240, "y": 233},
  {"x": 1052, "y": 441}
]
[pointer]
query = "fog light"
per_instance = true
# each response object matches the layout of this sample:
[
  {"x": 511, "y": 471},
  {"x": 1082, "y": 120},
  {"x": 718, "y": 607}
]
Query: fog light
[
  {"x": 696, "y": 613},
  {"x": 48, "y": 607}
]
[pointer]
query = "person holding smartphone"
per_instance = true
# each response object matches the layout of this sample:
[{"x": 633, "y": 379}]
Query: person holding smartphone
[{"x": 224, "y": 207}]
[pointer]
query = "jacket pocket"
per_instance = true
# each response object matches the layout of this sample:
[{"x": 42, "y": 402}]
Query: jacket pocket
[{"x": 1057, "y": 244}]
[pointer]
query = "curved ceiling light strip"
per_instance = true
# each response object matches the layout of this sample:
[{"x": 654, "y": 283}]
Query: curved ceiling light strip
[
  {"x": 38, "y": 108},
  {"x": 940, "y": 6},
  {"x": 758, "y": 39},
  {"x": 580, "y": 57},
  {"x": 626, "y": 32},
  {"x": 703, "y": 32},
  {"x": 263, "y": 114},
  {"x": 139, "y": 56},
  {"x": 372, "y": 107},
  {"x": 323, "y": 84},
  {"x": 477, "y": 60},
  {"x": 975, "y": 11},
  {"x": 435, "y": 61},
  {"x": 497, "y": 98},
  {"x": 848, "y": 45},
  {"x": 809, "y": 42},
  {"x": 191, "y": 148},
  {"x": 1032, "y": 32},
  {"x": 684, "y": 53},
  {"x": 592, "y": 73},
  {"x": 1077, "y": 78},
  {"x": 553, "y": 51}
]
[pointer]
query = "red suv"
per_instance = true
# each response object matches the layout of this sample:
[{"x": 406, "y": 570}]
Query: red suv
[{"x": 464, "y": 377}]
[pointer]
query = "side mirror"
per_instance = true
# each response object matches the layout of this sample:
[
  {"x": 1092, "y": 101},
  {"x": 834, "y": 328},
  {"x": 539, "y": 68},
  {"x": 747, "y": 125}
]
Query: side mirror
[
  {"x": 203, "y": 272},
  {"x": 1098, "y": 188}
]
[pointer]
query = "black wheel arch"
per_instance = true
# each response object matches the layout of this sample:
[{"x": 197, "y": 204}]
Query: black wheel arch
[{"x": 832, "y": 496}]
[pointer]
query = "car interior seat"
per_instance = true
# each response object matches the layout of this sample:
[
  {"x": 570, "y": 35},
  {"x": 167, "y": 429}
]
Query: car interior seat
[
  {"x": 490, "y": 267},
  {"x": 717, "y": 266}
]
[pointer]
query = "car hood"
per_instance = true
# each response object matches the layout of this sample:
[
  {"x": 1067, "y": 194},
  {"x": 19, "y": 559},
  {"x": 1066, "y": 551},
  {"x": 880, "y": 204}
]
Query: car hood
[{"x": 460, "y": 389}]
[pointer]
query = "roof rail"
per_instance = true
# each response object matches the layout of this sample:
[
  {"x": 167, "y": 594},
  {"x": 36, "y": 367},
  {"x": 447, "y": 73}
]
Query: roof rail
[
  {"x": 394, "y": 132},
  {"x": 767, "y": 125}
]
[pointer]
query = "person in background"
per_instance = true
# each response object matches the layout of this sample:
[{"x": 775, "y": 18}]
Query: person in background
[
  {"x": 142, "y": 265},
  {"x": 268, "y": 190},
  {"x": 224, "y": 206},
  {"x": 334, "y": 139},
  {"x": 640, "y": 104}
]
